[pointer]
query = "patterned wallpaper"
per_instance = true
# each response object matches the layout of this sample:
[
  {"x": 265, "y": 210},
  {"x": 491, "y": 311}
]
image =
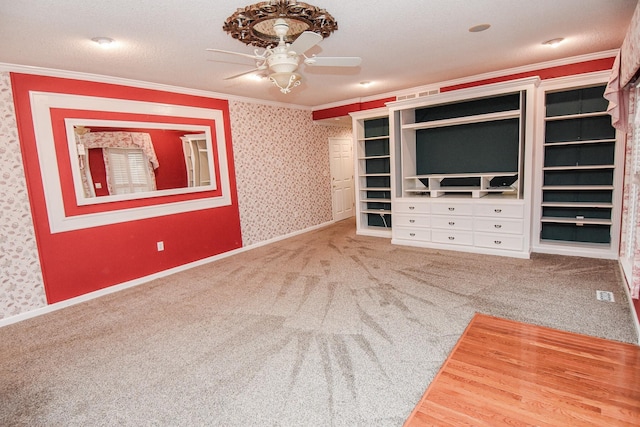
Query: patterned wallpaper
[
  {"x": 282, "y": 169},
  {"x": 21, "y": 285}
]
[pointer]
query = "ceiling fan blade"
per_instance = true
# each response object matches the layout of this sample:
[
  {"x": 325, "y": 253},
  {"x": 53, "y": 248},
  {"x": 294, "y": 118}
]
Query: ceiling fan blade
[
  {"x": 305, "y": 41},
  {"x": 337, "y": 61},
  {"x": 235, "y": 76},
  {"x": 257, "y": 57}
]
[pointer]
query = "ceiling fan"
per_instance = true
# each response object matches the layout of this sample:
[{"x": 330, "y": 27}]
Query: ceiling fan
[{"x": 282, "y": 61}]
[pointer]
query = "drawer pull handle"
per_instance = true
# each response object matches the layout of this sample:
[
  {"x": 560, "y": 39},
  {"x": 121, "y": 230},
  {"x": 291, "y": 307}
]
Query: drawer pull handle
[
  {"x": 497, "y": 242},
  {"x": 412, "y": 221},
  {"x": 451, "y": 238},
  {"x": 412, "y": 234},
  {"x": 497, "y": 210},
  {"x": 452, "y": 223},
  {"x": 412, "y": 208},
  {"x": 452, "y": 209},
  {"x": 497, "y": 226}
]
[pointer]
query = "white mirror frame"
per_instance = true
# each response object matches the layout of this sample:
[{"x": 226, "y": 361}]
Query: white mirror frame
[{"x": 59, "y": 221}]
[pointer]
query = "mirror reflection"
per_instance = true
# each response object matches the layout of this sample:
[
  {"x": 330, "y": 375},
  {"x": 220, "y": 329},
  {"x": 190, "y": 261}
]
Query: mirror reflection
[{"x": 117, "y": 160}]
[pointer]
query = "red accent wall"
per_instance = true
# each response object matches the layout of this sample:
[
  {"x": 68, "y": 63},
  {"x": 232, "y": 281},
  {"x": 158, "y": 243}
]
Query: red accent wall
[
  {"x": 81, "y": 261},
  {"x": 95, "y": 158}
]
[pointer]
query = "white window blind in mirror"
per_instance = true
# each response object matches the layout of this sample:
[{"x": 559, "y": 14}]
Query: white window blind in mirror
[{"x": 128, "y": 171}]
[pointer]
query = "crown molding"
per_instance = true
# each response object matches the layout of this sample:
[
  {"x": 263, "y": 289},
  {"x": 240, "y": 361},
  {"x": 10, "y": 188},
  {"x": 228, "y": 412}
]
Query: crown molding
[{"x": 51, "y": 72}]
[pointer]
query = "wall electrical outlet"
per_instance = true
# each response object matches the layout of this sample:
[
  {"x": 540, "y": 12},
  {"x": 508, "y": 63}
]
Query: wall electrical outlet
[{"x": 160, "y": 245}]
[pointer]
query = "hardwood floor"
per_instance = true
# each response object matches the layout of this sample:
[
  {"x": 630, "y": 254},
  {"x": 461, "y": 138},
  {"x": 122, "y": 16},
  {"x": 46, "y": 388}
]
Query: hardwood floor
[{"x": 503, "y": 372}]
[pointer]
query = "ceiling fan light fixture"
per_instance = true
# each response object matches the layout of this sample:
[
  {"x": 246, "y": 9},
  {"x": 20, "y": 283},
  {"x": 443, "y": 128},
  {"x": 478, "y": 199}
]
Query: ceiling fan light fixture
[
  {"x": 287, "y": 30},
  {"x": 285, "y": 81},
  {"x": 103, "y": 41}
]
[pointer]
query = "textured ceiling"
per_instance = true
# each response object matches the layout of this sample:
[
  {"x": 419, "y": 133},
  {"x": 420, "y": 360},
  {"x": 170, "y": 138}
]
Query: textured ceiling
[{"x": 402, "y": 43}]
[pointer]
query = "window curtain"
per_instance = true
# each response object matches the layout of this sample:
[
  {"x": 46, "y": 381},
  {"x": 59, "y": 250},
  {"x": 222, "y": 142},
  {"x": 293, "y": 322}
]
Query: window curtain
[
  {"x": 625, "y": 116},
  {"x": 124, "y": 140},
  {"x": 630, "y": 233}
]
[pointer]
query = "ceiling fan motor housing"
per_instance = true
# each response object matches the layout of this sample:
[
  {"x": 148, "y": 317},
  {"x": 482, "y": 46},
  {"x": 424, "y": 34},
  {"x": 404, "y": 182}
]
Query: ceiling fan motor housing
[{"x": 282, "y": 62}]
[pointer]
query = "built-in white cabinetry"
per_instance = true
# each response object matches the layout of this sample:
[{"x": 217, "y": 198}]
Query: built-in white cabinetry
[
  {"x": 373, "y": 170},
  {"x": 485, "y": 225},
  {"x": 579, "y": 178},
  {"x": 463, "y": 165}
]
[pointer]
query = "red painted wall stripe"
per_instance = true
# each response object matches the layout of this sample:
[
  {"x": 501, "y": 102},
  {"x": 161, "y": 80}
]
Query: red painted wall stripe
[{"x": 544, "y": 73}]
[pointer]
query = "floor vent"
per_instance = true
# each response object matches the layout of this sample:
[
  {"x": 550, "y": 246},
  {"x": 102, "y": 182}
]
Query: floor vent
[{"x": 604, "y": 296}]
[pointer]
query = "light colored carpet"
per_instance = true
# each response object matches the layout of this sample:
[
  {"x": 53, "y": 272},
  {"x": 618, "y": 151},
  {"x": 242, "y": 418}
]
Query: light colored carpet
[{"x": 323, "y": 329}]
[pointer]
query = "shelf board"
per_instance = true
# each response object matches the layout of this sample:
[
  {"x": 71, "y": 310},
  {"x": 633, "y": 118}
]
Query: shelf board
[
  {"x": 502, "y": 115},
  {"x": 576, "y": 187},
  {"x": 375, "y": 188},
  {"x": 375, "y": 200},
  {"x": 459, "y": 189},
  {"x": 577, "y": 205},
  {"x": 574, "y": 244},
  {"x": 364, "y": 175},
  {"x": 461, "y": 175},
  {"x": 382, "y": 156},
  {"x": 579, "y": 167},
  {"x": 376, "y": 211},
  {"x": 576, "y": 116},
  {"x": 590, "y": 221},
  {"x": 579, "y": 142},
  {"x": 374, "y": 138}
]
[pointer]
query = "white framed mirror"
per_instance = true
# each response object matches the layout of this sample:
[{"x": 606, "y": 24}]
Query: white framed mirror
[
  {"x": 56, "y": 116},
  {"x": 126, "y": 160}
]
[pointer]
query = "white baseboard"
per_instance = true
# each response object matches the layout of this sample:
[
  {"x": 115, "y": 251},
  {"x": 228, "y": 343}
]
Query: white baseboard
[{"x": 135, "y": 282}]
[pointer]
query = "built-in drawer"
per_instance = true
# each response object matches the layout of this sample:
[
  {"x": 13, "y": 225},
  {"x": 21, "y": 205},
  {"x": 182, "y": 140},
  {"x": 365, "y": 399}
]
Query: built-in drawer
[
  {"x": 452, "y": 208},
  {"x": 408, "y": 220},
  {"x": 453, "y": 237},
  {"x": 499, "y": 241},
  {"x": 452, "y": 222},
  {"x": 410, "y": 207},
  {"x": 416, "y": 234},
  {"x": 498, "y": 225},
  {"x": 502, "y": 210}
]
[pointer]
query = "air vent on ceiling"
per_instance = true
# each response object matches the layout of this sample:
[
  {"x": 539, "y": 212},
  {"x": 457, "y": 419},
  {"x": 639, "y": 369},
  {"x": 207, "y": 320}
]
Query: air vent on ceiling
[
  {"x": 430, "y": 92},
  {"x": 418, "y": 95}
]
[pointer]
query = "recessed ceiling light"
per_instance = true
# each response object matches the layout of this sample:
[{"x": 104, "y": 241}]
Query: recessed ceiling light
[
  {"x": 103, "y": 41},
  {"x": 553, "y": 42},
  {"x": 479, "y": 28}
]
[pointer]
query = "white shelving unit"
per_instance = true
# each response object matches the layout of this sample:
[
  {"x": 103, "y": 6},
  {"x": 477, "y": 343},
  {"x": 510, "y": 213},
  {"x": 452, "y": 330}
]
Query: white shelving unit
[
  {"x": 579, "y": 181},
  {"x": 450, "y": 193},
  {"x": 373, "y": 170}
]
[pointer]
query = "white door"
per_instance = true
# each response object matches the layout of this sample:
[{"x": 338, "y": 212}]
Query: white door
[{"x": 342, "y": 193}]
